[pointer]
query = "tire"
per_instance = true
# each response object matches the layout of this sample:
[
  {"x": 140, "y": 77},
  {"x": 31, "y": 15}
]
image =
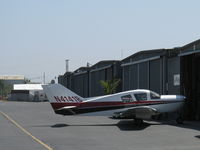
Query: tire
[
  {"x": 138, "y": 121},
  {"x": 179, "y": 120}
]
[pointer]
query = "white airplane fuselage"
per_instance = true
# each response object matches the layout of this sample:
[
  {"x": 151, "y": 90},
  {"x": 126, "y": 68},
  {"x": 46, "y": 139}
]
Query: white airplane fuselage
[{"x": 133, "y": 104}]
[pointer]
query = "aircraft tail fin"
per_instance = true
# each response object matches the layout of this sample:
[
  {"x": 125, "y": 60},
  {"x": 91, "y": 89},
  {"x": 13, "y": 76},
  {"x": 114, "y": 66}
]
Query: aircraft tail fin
[{"x": 61, "y": 97}]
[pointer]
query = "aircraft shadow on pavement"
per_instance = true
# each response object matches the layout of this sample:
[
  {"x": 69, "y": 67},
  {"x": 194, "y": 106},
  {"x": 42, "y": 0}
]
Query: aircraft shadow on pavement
[
  {"x": 197, "y": 136},
  {"x": 128, "y": 125},
  {"x": 122, "y": 125},
  {"x": 185, "y": 125}
]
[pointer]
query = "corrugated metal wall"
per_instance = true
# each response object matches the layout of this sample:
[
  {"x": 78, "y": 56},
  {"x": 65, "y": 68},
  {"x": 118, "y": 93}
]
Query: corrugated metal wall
[
  {"x": 80, "y": 84},
  {"x": 95, "y": 78},
  {"x": 133, "y": 77},
  {"x": 144, "y": 75},
  {"x": 105, "y": 70},
  {"x": 173, "y": 74},
  {"x": 126, "y": 78},
  {"x": 155, "y": 75}
]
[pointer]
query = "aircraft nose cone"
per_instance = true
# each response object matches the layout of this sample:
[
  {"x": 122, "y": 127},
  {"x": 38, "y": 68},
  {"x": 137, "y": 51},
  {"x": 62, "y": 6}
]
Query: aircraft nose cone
[
  {"x": 180, "y": 97},
  {"x": 173, "y": 97}
]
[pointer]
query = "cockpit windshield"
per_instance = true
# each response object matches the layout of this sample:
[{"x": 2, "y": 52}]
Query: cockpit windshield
[
  {"x": 141, "y": 96},
  {"x": 154, "y": 95}
]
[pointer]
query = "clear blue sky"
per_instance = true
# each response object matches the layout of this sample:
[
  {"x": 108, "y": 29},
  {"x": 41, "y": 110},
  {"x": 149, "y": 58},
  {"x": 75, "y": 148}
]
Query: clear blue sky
[{"x": 37, "y": 36}]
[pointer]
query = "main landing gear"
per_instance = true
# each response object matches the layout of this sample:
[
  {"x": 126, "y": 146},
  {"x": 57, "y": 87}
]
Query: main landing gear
[
  {"x": 138, "y": 121},
  {"x": 179, "y": 120}
]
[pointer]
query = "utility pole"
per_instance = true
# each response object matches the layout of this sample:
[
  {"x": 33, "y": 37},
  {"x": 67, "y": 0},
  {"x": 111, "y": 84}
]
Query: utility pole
[
  {"x": 67, "y": 65},
  {"x": 44, "y": 78}
]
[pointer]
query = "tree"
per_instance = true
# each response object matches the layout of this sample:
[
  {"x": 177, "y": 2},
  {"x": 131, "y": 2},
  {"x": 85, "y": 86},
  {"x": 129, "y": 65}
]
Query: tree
[
  {"x": 110, "y": 86},
  {"x": 1, "y": 88},
  {"x": 1, "y": 84},
  {"x": 5, "y": 89},
  {"x": 27, "y": 80}
]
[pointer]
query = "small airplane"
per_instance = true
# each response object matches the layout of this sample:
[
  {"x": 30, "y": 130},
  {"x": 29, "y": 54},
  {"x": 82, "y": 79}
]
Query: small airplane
[{"x": 134, "y": 104}]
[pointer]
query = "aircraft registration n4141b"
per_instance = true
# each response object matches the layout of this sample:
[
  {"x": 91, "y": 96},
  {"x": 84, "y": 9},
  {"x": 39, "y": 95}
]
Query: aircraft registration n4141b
[{"x": 134, "y": 104}]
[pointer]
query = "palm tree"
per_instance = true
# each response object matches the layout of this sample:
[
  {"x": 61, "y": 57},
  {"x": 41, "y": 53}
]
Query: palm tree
[{"x": 110, "y": 86}]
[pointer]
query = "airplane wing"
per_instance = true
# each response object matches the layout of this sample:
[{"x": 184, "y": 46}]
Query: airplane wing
[{"x": 142, "y": 112}]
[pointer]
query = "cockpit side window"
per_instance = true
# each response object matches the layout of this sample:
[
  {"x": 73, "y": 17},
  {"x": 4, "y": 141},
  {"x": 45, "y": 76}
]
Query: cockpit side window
[
  {"x": 141, "y": 96},
  {"x": 154, "y": 95},
  {"x": 127, "y": 99}
]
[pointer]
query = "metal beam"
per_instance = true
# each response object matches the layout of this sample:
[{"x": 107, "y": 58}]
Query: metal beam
[
  {"x": 140, "y": 61},
  {"x": 189, "y": 53}
]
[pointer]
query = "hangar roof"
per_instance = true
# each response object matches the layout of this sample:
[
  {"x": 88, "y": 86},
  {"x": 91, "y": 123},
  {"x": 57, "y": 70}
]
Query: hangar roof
[
  {"x": 12, "y": 77},
  {"x": 145, "y": 54},
  {"x": 103, "y": 63},
  {"x": 195, "y": 45}
]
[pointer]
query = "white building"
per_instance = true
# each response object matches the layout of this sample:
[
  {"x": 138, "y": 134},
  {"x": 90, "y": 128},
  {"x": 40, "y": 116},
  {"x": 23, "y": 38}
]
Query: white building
[
  {"x": 12, "y": 79},
  {"x": 28, "y": 92}
]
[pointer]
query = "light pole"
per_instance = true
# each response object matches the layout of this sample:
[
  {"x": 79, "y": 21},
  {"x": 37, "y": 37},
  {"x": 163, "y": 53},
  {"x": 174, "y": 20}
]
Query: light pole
[{"x": 67, "y": 65}]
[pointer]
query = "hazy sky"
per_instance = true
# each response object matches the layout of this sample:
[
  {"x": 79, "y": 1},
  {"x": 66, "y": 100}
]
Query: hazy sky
[{"x": 37, "y": 36}]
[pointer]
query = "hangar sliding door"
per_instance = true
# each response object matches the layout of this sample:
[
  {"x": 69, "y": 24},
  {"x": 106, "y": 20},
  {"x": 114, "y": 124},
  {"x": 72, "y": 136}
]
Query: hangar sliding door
[
  {"x": 78, "y": 83},
  {"x": 155, "y": 76},
  {"x": 134, "y": 76},
  {"x": 102, "y": 76},
  {"x": 174, "y": 75},
  {"x": 126, "y": 78},
  {"x": 143, "y": 75},
  {"x": 92, "y": 83},
  {"x": 108, "y": 74},
  {"x": 85, "y": 85}
]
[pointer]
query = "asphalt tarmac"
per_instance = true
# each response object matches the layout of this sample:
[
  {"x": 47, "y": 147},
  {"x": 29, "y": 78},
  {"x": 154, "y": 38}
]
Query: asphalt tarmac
[{"x": 34, "y": 126}]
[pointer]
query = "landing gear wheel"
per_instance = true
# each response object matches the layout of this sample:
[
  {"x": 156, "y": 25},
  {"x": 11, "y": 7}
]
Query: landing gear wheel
[
  {"x": 179, "y": 120},
  {"x": 138, "y": 121}
]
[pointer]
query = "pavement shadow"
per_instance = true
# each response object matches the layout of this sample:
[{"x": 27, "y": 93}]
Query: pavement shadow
[
  {"x": 60, "y": 125},
  {"x": 197, "y": 136},
  {"x": 125, "y": 125},
  {"x": 189, "y": 126},
  {"x": 80, "y": 125},
  {"x": 128, "y": 125},
  {"x": 194, "y": 125},
  {"x": 131, "y": 126}
]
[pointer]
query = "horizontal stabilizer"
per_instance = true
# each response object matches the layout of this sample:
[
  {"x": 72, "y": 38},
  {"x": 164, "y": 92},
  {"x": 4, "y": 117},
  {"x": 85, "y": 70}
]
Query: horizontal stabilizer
[
  {"x": 67, "y": 110},
  {"x": 67, "y": 107}
]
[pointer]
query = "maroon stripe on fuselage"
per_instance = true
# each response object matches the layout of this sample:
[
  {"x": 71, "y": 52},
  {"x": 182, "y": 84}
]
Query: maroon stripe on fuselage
[
  {"x": 102, "y": 104},
  {"x": 60, "y": 105}
]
